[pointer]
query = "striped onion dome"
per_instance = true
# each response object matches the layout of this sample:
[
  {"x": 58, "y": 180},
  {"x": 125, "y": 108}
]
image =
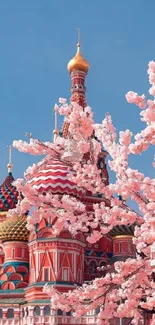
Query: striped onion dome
[
  {"x": 122, "y": 230},
  {"x": 14, "y": 228},
  {"x": 8, "y": 194},
  {"x": 54, "y": 178}
]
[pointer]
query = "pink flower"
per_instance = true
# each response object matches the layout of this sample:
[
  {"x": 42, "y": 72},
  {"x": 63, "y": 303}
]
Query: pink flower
[
  {"x": 151, "y": 66},
  {"x": 62, "y": 100},
  {"x": 133, "y": 97},
  {"x": 125, "y": 137},
  {"x": 152, "y": 90}
]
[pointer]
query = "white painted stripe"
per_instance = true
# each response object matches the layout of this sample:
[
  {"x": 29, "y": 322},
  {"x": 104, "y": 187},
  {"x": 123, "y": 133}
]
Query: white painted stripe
[
  {"x": 58, "y": 185},
  {"x": 50, "y": 177}
]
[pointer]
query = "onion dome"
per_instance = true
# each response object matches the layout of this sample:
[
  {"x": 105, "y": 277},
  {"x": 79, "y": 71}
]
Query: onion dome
[
  {"x": 122, "y": 230},
  {"x": 14, "y": 228},
  {"x": 54, "y": 178},
  {"x": 8, "y": 194},
  {"x": 78, "y": 62}
]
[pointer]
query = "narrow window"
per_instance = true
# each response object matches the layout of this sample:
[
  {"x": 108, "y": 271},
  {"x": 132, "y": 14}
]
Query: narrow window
[
  {"x": 129, "y": 247},
  {"x": 46, "y": 274},
  {"x": 92, "y": 267},
  {"x": 36, "y": 311},
  {"x": 10, "y": 313},
  {"x": 47, "y": 310},
  {"x": 23, "y": 251},
  {"x": 65, "y": 274},
  {"x": 79, "y": 276}
]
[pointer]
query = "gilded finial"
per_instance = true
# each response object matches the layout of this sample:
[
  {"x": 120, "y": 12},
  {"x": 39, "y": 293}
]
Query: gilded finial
[
  {"x": 55, "y": 131},
  {"x": 78, "y": 33},
  {"x": 10, "y": 159}
]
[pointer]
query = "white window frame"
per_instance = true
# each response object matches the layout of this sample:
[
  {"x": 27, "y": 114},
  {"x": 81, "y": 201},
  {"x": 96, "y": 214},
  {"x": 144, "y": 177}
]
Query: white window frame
[
  {"x": 13, "y": 253},
  {"x": 23, "y": 252},
  {"x": 63, "y": 270}
]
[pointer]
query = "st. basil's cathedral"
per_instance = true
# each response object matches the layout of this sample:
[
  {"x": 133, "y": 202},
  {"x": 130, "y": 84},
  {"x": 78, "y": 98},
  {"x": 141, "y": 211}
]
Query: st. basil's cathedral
[{"x": 28, "y": 261}]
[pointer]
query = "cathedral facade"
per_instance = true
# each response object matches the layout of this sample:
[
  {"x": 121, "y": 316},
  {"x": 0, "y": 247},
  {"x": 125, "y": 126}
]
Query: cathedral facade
[{"x": 30, "y": 260}]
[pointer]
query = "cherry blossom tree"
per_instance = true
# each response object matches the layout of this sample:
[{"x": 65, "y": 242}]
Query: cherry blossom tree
[{"x": 127, "y": 288}]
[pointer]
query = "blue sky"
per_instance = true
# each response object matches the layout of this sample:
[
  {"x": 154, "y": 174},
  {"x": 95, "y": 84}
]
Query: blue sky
[{"x": 37, "y": 39}]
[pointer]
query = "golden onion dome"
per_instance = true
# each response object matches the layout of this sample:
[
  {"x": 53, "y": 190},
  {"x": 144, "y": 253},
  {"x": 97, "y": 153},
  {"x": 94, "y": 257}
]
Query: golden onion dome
[
  {"x": 78, "y": 62},
  {"x": 14, "y": 228}
]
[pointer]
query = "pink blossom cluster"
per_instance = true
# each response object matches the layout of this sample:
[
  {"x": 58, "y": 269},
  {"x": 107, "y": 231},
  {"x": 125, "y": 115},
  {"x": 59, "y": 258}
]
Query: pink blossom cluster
[
  {"x": 122, "y": 291},
  {"x": 134, "y": 98},
  {"x": 110, "y": 292},
  {"x": 151, "y": 73}
]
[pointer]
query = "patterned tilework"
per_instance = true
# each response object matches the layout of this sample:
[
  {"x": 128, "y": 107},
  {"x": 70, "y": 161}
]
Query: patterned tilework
[
  {"x": 8, "y": 194},
  {"x": 14, "y": 228}
]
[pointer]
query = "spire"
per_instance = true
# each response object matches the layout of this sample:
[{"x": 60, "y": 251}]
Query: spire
[
  {"x": 78, "y": 68},
  {"x": 55, "y": 131},
  {"x": 10, "y": 159},
  {"x": 78, "y": 32}
]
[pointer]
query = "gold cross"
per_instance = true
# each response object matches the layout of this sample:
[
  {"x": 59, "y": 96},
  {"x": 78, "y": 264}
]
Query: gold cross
[
  {"x": 78, "y": 32},
  {"x": 10, "y": 154}
]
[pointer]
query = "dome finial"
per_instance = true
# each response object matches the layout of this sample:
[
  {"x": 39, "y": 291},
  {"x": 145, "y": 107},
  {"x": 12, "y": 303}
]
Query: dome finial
[
  {"x": 78, "y": 32},
  {"x": 55, "y": 131},
  {"x": 10, "y": 159}
]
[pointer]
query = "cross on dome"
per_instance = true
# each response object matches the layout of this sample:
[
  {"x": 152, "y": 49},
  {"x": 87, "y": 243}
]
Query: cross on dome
[{"x": 10, "y": 159}]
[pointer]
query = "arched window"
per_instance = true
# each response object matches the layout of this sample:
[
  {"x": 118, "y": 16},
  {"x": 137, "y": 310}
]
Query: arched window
[
  {"x": 97, "y": 311},
  {"x": 68, "y": 313},
  {"x": 8, "y": 286},
  {"x": 102, "y": 264},
  {"x": 47, "y": 310},
  {"x": 1, "y": 313},
  {"x": 10, "y": 313},
  {"x": 13, "y": 252},
  {"x": 92, "y": 267},
  {"x": 85, "y": 267},
  {"x": 36, "y": 311},
  {"x": 26, "y": 312},
  {"x": 60, "y": 313}
]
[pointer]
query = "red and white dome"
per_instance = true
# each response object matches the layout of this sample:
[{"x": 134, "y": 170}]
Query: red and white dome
[{"x": 54, "y": 178}]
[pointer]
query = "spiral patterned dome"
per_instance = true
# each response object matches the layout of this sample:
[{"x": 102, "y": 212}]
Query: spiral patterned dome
[
  {"x": 54, "y": 178},
  {"x": 8, "y": 194},
  {"x": 14, "y": 228}
]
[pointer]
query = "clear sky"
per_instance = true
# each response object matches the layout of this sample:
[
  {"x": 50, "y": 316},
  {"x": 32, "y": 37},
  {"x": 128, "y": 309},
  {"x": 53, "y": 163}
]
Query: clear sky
[{"x": 37, "y": 39}]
